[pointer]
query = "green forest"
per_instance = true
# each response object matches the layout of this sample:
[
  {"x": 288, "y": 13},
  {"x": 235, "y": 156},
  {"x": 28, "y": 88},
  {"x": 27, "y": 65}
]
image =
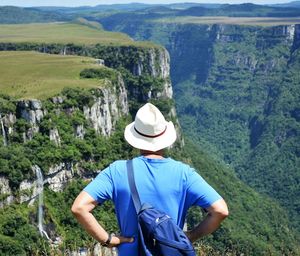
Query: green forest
[{"x": 237, "y": 94}]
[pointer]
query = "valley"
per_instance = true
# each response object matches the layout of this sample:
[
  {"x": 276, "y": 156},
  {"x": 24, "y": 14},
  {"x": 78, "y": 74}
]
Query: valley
[{"x": 230, "y": 84}]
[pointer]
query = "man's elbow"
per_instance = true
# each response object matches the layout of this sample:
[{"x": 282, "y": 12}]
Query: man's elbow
[
  {"x": 82, "y": 205},
  {"x": 223, "y": 213},
  {"x": 220, "y": 210},
  {"x": 77, "y": 210}
]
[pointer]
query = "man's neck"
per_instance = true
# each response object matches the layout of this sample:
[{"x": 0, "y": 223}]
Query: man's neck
[{"x": 150, "y": 154}]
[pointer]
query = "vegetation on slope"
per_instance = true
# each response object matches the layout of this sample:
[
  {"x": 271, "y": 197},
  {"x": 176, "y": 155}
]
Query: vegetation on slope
[
  {"x": 247, "y": 230},
  {"x": 276, "y": 152},
  {"x": 246, "y": 106},
  {"x": 257, "y": 225},
  {"x": 19, "y": 233},
  {"x": 92, "y": 154}
]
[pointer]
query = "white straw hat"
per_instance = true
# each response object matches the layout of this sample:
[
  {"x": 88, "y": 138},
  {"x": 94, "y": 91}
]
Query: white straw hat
[{"x": 150, "y": 131}]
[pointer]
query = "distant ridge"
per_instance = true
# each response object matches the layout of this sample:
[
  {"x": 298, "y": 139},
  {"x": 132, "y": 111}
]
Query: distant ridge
[
  {"x": 14, "y": 15},
  {"x": 57, "y": 13},
  {"x": 295, "y": 4},
  {"x": 97, "y": 8},
  {"x": 242, "y": 10}
]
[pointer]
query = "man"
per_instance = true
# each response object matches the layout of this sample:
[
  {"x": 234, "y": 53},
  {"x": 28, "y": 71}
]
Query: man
[{"x": 168, "y": 185}]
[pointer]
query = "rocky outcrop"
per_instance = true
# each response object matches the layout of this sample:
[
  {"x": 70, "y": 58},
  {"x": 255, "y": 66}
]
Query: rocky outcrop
[
  {"x": 5, "y": 192},
  {"x": 234, "y": 33},
  {"x": 153, "y": 60},
  {"x": 296, "y": 43},
  {"x": 57, "y": 100},
  {"x": 109, "y": 105},
  {"x": 54, "y": 136},
  {"x": 164, "y": 63},
  {"x": 122, "y": 96},
  {"x": 28, "y": 191},
  {"x": 9, "y": 121},
  {"x": 159, "y": 68},
  {"x": 56, "y": 179},
  {"x": 102, "y": 113},
  {"x": 156, "y": 63},
  {"x": 6, "y": 126},
  {"x": 30, "y": 110},
  {"x": 289, "y": 31},
  {"x": 224, "y": 34},
  {"x": 167, "y": 91},
  {"x": 247, "y": 61},
  {"x": 108, "y": 108},
  {"x": 79, "y": 131},
  {"x": 137, "y": 68},
  {"x": 59, "y": 175},
  {"x": 4, "y": 135},
  {"x": 33, "y": 113}
]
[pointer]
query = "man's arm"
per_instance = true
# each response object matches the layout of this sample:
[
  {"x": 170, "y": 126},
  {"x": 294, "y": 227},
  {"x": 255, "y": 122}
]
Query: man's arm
[
  {"x": 217, "y": 212},
  {"x": 81, "y": 208}
]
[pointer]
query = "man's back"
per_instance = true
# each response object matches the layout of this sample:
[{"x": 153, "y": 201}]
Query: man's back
[
  {"x": 162, "y": 182},
  {"x": 169, "y": 185}
]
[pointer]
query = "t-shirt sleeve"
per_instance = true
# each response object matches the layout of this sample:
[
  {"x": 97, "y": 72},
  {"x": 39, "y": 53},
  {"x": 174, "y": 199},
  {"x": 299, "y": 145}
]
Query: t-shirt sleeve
[
  {"x": 101, "y": 188},
  {"x": 199, "y": 192}
]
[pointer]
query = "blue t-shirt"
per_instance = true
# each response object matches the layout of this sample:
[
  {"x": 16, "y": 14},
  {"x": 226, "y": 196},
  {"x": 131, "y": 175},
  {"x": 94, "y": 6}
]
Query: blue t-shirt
[{"x": 170, "y": 186}]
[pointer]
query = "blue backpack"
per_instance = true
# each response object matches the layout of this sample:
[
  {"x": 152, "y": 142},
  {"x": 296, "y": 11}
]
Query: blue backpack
[{"x": 158, "y": 233}]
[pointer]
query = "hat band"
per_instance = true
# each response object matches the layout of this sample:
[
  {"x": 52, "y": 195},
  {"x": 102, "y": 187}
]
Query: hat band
[{"x": 150, "y": 136}]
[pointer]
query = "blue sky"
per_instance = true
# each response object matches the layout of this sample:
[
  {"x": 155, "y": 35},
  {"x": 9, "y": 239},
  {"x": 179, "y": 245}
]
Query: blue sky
[{"x": 28, "y": 3}]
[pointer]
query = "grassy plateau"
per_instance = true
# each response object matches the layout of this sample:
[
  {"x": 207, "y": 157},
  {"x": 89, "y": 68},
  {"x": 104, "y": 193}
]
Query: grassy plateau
[
  {"x": 37, "y": 75},
  {"x": 60, "y": 33}
]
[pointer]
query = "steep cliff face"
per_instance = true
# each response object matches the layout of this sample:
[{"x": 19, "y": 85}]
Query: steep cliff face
[
  {"x": 106, "y": 110},
  {"x": 237, "y": 93},
  {"x": 149, "y": 70},
  {"x": 32, "y": 112},
  {"x": 103, "y": 113},
  {"x": 140, "y": 62},
  {"x": 250, "y": 69}
]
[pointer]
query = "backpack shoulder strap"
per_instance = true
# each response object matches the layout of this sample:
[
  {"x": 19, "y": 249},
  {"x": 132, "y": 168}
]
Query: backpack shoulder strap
[{"x": 134, "y": 193}]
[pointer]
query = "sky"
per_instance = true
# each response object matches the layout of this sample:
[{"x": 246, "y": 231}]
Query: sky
[{"x": 73, "y": 3}]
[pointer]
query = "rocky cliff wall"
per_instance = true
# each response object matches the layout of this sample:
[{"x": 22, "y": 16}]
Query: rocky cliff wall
[
  {"x": 138, "y": 60},
  {"x": 109, "y": 104},
  {"x": 102, "y": 114}
]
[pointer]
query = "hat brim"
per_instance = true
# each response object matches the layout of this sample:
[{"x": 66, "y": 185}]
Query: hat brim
[{"x": 152, "y": 144}]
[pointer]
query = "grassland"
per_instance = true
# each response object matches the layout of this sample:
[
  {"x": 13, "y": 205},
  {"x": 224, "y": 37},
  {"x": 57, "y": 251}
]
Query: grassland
[
  {"x": 255, "y": 21},
  {"x": 37, "y": 75},
  {"x": 60, "y": 33}
]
